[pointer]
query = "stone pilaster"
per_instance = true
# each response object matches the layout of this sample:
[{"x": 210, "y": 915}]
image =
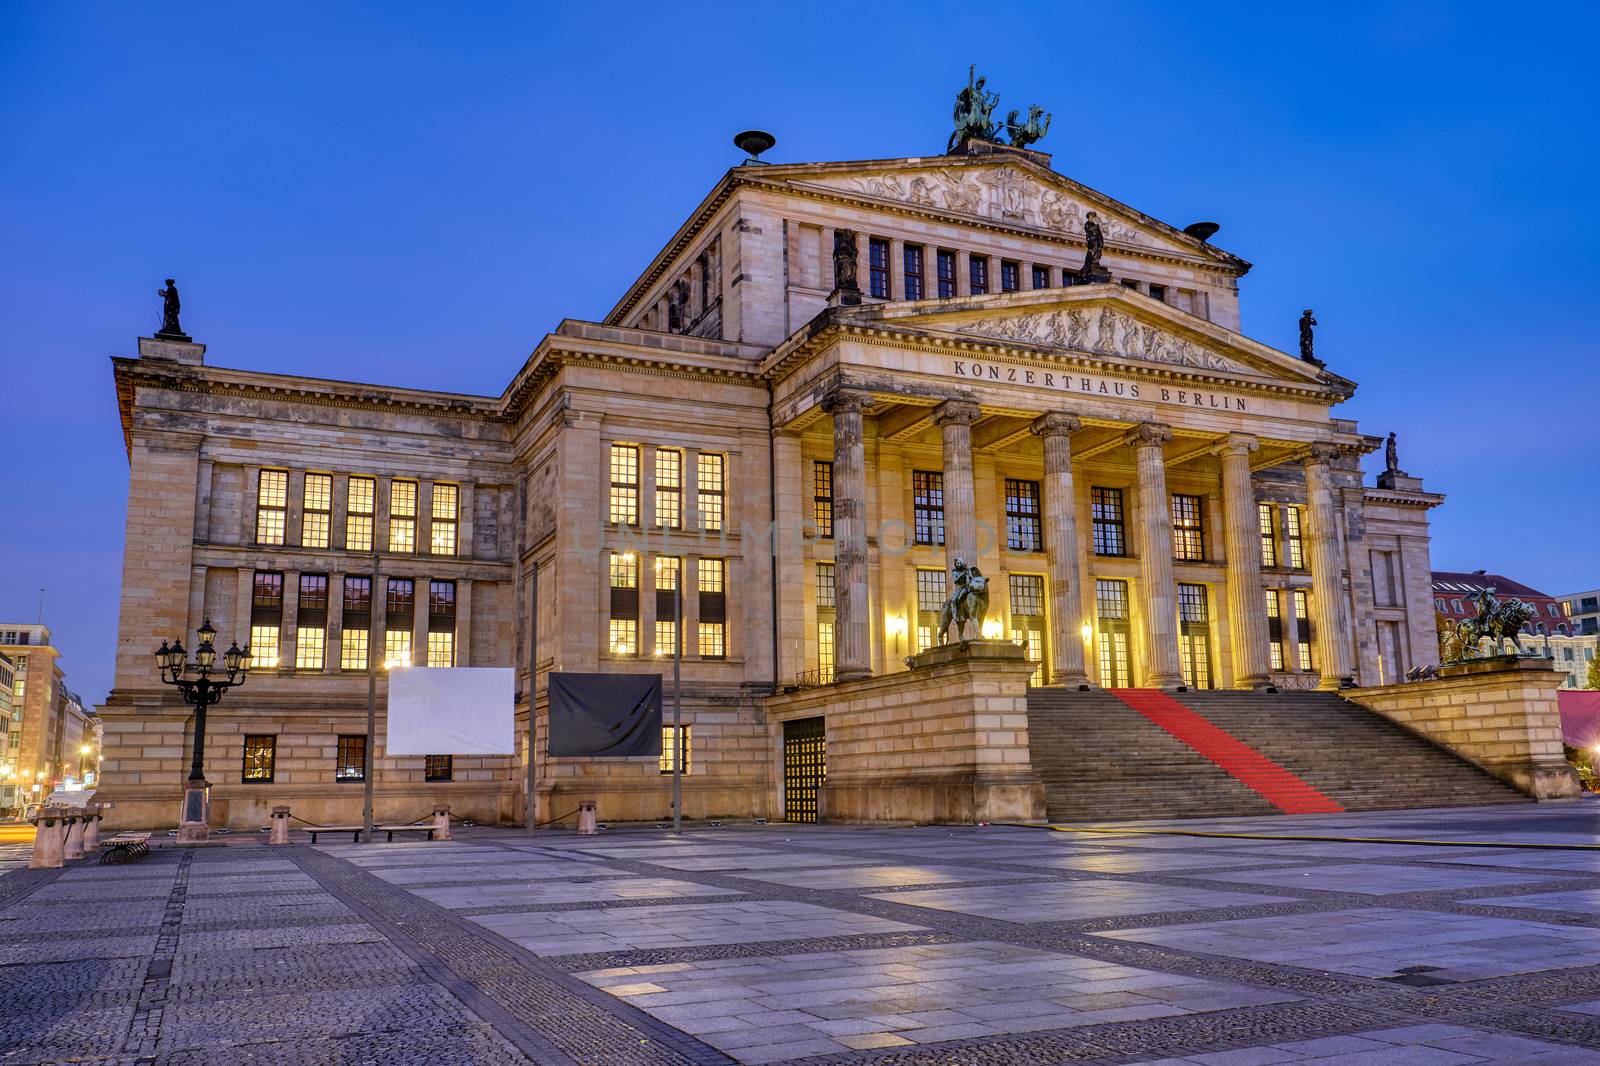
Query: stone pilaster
[
  {"x": 793, "y": 481},
  {"x": 954, "y": 419},
  {"x": 1061, "y": 544},
  {"x": 1333, "y": 642},
  {"x": 1247, "y": 608},
  {"x": 1155, "y": 554},
  {"x": 464, "y": 622},
  {"x": 853, "y": 628}
]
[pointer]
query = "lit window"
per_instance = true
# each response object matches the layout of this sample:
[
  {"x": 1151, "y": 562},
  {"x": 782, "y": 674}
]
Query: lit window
[
  {"x": 1027, "y": 619},
  {"x": 710, "y": 491},
  {"x": 1188, "y": 537},
  {"x": 272, "y": 501},
  {"x": 1291, "y": 538},
  {"x": 1269, "y": 540},
  {"x": 822, "y": 497},
  {"x": 438, "y": 768},
  {"x": 309, "y": 648},
  {"x": 825, "y": 585},
  {"x": 266, "y": 619},
  {"x": 441, "y": 623},
  {"x": 311, "y": 622},
  {"x": 441, "y": 649},
  {"x": 351, "y": 760},
  {"x": 1106, "y": 507},
  {"x": 399, "y": 613},
  {"x": 316, "y": 510},
  {"x": 357, "y": 623},
  {"x": 353, "y": 649},
  {"x": 1194, "y": 636},
  {"x": 402, "y": 516},
  {"x": 826, "y": 654},
  {"x": 1275, "y": 627},
  {"x": 930, "y": 600},
  {"x": 1302, "y": 617},
  {"x": 713, "y": 640},
  {"x": 669, "y": 488},
  {"x": 878, "y": 268},
  {"x": 358, "y": 514},
  {"x": 260, "y": 755},
  {"x": 624, "y": 485},
  {"x": 667, "y": 605},
  {"x": 396, "y": 647},
  {"x": 711, "y": 581},
  {"x": 669, "y": 754},
  {"x": 445, "y": 511},
  {"x": 1022, "y": 516},
  {"x": 927, "y": 504},
  {"x": 263, "y": 647},
  {"x": 624, "y": 635}
]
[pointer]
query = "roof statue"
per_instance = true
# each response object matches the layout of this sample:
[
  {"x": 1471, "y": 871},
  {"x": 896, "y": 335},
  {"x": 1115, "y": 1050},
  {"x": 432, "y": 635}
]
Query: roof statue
[
  {"x": 170, "y": 307},
  {"x": 974, "y": 118},
  {"x": 1307, "y": 344},
  {"x": 1391, "y": 457},
  {"x": 1092, "y": 273}
]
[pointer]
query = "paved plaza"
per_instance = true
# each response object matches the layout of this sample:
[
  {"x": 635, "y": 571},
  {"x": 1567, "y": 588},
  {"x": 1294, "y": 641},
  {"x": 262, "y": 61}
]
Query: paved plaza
[{"x": 780, "y": 943}]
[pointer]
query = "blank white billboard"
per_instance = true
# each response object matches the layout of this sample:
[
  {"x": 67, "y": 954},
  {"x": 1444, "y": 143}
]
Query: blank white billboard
[{"x": 451, "y": 711}]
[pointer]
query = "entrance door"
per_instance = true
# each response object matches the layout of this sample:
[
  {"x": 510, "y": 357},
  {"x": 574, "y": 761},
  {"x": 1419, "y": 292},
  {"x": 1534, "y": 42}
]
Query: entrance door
[
  {"x": 805, "y": 767},
  {"x": 1194, "y": 636},
  {"x": 1111, "y": 611}
]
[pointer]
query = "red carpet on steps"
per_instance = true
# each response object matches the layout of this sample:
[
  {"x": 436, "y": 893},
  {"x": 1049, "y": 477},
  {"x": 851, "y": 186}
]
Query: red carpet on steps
[{"x": 1276, "y": 785}]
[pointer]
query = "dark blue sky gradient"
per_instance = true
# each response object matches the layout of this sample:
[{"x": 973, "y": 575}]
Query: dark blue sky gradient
[{"x": 413, "y": 194}]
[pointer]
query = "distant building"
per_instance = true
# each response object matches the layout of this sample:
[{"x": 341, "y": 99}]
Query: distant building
[
  {"x": 1551, "y": 632},
  {"x": 47, "y": 723},
  {"x": 1583, "y": 608},
  {"x": 8, "y": 787}
]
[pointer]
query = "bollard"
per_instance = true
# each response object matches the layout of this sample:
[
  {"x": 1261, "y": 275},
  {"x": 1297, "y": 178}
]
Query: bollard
[
  {"x": 46, "y": 839},
  {"x": 91, "y": 829},
  {"x": 586, "y": 818},
  {"x": 280, "y": 826},
  {"x": 441, "y": 822},
  {"x": 72, "y": 840}
]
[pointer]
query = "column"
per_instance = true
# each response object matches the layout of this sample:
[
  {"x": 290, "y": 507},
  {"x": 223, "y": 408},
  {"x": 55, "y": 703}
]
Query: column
[
  {"x": 1333, "y": 643},
  {"x": 294, "y": 515},
  {"x": 954, "y": 419},
  {"x": 853, "y": 614},
  {"x": 1061, "y": 545},
  {"x": 1247, "y": 607},
  {"x": 465, "y": 534},
  {"x": 1155, "y": 555},
  {"x": 897, "y": 269},
  {"x": 464, "y": 622}
]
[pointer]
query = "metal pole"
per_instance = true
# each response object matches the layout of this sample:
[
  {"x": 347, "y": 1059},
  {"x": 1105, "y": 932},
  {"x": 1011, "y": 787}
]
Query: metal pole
[
  {"x": 372, "y": 714},
  {"x": 677, "y": 702},
  {"x": 533, "y": 692},
  {"x": 196, "y": 765}
]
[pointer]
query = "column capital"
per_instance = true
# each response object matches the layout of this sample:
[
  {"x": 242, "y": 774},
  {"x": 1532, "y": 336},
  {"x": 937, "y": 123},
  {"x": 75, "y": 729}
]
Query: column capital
[
  {"x": 846, "y": 401},
  {"x": 1055, "y": 424},
  {"x": 1148, "y": 434},
  {"x": 1323, "y": 453},
  {"x": 1236, "y": 444},
  {"x": 956, "y": 412}
]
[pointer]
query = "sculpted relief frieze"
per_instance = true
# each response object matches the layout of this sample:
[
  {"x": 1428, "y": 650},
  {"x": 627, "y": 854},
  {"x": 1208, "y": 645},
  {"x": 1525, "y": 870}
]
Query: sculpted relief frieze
[
  {"x": 1103, "y": 332},
  {"x": 1000, "y": 194}
]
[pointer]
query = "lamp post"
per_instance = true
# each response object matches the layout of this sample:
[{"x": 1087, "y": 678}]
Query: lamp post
[{"x": 200, "y": 690}]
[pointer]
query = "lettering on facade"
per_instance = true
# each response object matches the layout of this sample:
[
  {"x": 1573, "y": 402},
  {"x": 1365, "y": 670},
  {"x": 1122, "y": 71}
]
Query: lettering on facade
[{"x": 1094, "y": 385}]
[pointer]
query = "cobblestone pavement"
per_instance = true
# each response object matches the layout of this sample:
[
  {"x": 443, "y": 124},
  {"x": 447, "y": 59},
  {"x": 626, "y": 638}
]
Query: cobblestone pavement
[{"x": 823, "y": 945}]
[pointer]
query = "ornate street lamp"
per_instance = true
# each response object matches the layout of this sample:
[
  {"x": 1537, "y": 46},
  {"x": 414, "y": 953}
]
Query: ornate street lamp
[{"x": 200, "y": 690}]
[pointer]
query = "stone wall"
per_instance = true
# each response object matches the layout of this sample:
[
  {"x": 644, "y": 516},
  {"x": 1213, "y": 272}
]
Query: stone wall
[
  {"x": 1498, "y": 713},
  {"x": 946, "y": 741}
]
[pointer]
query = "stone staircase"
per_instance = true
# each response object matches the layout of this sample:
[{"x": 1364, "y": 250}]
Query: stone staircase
[{"x": 1199, "y": 754}]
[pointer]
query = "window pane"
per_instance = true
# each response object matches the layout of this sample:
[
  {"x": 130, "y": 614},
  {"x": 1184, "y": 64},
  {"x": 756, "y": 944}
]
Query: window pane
[
  {"x": 441, "y": 649},
  {"x": 403, "y": 499},
  {"x": 1269, "y": 543},
  {"x": 822, "y": 497},
  {"x": 353, "y": 650},
  {"x": 711, "y": 573},
  {"x": 1022, "y": 516},
  {"x": 438, "y": 768},
  {"x": 263, "y": 647},
  {"x": 397, "y": 648},
  {"x": 624, "y": 636},
  {"x": 308, "y": 648},
  {"x": 272, "y": 497},
  {"x": 1106, "y": 505},
  {"x": 825, "y": 586},
  {"x": 712, "y": 645},
  {"x": 351, "y": 760},
  {"x": 260, "y": 753},
  {"x": 669, "y": 488},
  {"x": 669, "y": 749},
  {"x": 1188, "y": 537},
  {"x": 927, "y": 497},
  {"x": 445, "y": 502},
  {"x": 1027, "y": 594},
  {"x": 710, "y": 488}
]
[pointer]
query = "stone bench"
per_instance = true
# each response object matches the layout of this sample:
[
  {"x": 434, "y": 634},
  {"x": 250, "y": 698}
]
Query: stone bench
[
  {"x": 125, "y": 847},
  {"x": 355, "y": 831}
]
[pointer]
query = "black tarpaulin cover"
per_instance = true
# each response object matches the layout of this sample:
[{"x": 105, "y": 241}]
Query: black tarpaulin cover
[{"x": 605, "y": 716}]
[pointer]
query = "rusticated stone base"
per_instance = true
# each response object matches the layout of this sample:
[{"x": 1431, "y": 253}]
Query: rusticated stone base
[
  {"x": 1499, "y": 713},
  {"x": 946, "y": 741}
]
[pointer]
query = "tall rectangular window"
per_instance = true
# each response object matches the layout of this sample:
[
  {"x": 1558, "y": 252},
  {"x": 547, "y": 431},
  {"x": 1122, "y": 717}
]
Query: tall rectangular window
[
  {"x": 441, "y": 623},
  {"x": 1302, "y": 621},
  {"x": 713, "y": 608},
  {"x": 266, "y": 619},
  {"x": 624, "y": 632},
  {"x": 1294, "y": 550},
  {"x": 710, "y": 489},
  {"x": 357, "y": 623},
  {"x": 822, "y": 497},
  {"x": 260, "y": 757},
  {"x": 1027, "y": 619},
  {"x": 272, "y": 502},
  {"x": 827, "y": 593},
  {"x": 827, "y": 601},
  {"x": 978, "y": 274},
  {"x": 1010, "y": 275},
  {"x": 669, "y": 749},
  {"x": 1194, "y": 636},
  {"x": 669, "y": 488},
  {"x": 1022, "y": 516},
  {"x": 402, "y": 516},
  {"x": 311, "y": 623},
  {"x": 1106, "y": 508},
  {"x": 1188, "y": 536},
  {"x": 624, "y": 506},
  {"x": 446, "y": 511},
  {"x": 930, "y": 600},
  {"x": 878, "y": 267},
  {"x": 1041, "y": 277},
  {"x": 359, "y": 501},
  {"x": 945, "y": 263},
  {"x": 913, "y": 272},
  {"x": 927, "y": 501},
  {"x": 350, "y": 760},
  {"x": 316, "y": 510},
  {"x": 400, "y": 609},
  {"x": 1275, "y": 627},
  {"x": 1269, "y": 539},
  {"x": 668, "y": 607},
  {"x": 1111, "y": 619},
  {"x": 438, "y": 768}
]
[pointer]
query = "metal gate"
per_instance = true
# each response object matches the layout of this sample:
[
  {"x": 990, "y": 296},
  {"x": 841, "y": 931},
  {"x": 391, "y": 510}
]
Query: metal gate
[{"x": 805, "y": 767}]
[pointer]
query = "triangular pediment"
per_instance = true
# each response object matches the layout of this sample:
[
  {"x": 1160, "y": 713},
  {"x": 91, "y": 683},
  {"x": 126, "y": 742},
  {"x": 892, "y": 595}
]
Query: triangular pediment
[{"x": 1007, "y": 191}]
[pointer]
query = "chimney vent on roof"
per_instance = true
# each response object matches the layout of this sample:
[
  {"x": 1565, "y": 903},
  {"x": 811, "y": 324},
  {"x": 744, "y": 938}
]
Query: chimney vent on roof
[
  {"x": 1202, "y": 231},
  {"x": 754, "y": 142}
]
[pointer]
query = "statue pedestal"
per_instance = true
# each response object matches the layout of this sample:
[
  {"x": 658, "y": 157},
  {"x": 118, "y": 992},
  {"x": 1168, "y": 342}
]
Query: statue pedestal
[
  {"x": 173, "y": 347},
  {"x": 844, "y": 298},
  {"x": 194, "y": 821},
  {"x": 1399, "y": 479}
]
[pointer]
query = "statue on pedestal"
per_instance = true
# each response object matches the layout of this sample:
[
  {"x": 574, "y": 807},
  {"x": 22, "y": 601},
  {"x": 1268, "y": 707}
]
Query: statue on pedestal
[
  {"x": 1307, "y": 352},
  {"x": 170, "y": 307},
  {"x": 1092, "y": 273},
  {"x": 968, "y": 601},
  {"x": 845, "y": 254},
  {"x": 1391, "y": 457},
  {"x": 974, "y": 108}
]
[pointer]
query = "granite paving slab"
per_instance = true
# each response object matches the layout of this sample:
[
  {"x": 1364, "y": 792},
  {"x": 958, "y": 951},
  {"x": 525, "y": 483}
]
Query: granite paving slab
[
  {"x": 1067, "y": 901},
  {"x": 1374, "y": 881}
]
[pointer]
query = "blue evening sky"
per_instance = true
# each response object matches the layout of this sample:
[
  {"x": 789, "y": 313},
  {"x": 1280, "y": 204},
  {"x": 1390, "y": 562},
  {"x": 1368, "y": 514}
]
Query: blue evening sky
[{"x": 414, "y": 193}]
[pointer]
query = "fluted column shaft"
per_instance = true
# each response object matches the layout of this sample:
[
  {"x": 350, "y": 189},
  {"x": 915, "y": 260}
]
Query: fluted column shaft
[
  {"x": 954, "y": 419},
  {"x": 1247, "y": 606},
  {"x": 853, "y": 620},
  {"x": 1061, "y": 544},
  {"x": 1155, "y": 553},
  {"x": 1333, "y": 643}
]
